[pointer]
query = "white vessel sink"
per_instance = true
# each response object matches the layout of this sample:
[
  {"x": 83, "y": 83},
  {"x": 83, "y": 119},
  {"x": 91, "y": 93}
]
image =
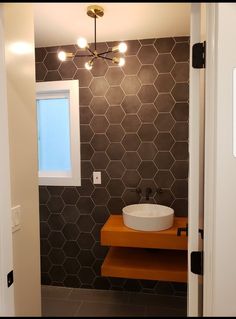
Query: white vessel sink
[{"x": 148, "y": 217}]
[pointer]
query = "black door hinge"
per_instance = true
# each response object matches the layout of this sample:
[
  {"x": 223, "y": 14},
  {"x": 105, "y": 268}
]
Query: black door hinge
[
  {"x": 182, "y": 229},
  {"x": 10, "y": 279},
  {"x": 197, "y": 262},
  {"x": 199, "y": 55}
]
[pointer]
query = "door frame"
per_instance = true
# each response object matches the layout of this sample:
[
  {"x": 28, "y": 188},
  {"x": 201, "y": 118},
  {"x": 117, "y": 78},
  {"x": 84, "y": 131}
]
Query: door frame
[{"x": 6, "y": 248}]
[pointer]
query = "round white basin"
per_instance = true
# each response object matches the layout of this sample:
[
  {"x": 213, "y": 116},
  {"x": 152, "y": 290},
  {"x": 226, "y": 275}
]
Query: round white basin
[{"x": 148, "y": 217}]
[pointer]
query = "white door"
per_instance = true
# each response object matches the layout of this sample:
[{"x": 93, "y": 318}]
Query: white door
[
  {"x": 196, "y": 160},
  {"x": 6, "y": 263}
]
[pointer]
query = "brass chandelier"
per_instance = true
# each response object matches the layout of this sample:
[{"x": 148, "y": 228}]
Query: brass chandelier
[{"x": 95, "y": 12}]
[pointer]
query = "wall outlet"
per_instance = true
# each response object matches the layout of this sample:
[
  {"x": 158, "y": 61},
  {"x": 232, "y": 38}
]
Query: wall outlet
[
  {"x": 97, "y": 178},
  {"x": 16, "y": 218}
]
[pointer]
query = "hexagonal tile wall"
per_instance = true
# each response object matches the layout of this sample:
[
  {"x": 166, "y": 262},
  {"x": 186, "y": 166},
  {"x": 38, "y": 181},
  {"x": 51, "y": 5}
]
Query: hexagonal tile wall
[{"x": 133, "y": 128}]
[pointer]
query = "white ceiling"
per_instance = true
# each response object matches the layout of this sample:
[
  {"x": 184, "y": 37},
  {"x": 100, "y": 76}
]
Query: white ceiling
[{"x": 63, "y": 23}]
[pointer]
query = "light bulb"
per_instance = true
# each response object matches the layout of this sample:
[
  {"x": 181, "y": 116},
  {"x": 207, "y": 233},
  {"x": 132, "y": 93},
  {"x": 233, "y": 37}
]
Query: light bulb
[
  {"x": 82, "y": 43},
  {"x": 121, "y": 62},
  {"x": 62, "y": 55},
  {"x": 88, "y": 65},
  {"x": 122, "y": 47}
]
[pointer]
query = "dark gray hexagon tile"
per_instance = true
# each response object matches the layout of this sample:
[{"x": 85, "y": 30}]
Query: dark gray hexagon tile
[
  {"x": 147, "y": 151},
  {"x": 44, "y": 230},
  {"x": 86, "y": 258},
  {"x": 99, "y": 124},
  {"x": 147, "y": 113},
  {"x": 51, "y": 61},
  {"x": 55, "y": 204},
  {"x": 180, "y": 72},
  {"x": 131, "y": 142},
  {"x": 40, "y": 54},
  {"x": 100, "y": 214},
  {"x": 180, "y": 92},
  {"x": 46, "y": 263},
  {"x": 98, "y": 86},
  {"x": 86, "y": 133},
  {"x": 131, "y": 123},
  {"x": 57, "y": 256},
  {"x": 130, "y": 84},
  {"x": 115, "y": 151},
  {"x": 130, "y": 196},
  {"x": 164, "y": 63},
  {"x": 180, "y": 52},
  {"x": 132, "y": 65},
  {"x": 131, "y": 160},
  {"x": 164, "y": 102},
  {"x": 55, "y": 222},
  {"x": 71, "y": 266},
  {"x": 164, "y": 83},
  {"x": 114, "y": 95},
  {"x": 115, "y": 169},
  {"x": 132, "y": 47},
  {"x": 115, "y": 133},
  {"x": 85, "y": 223},
  {"x": 164, "y": 45},
  {"x": 147, "y": 169},
  {"x": 115, "y": 187},
  {"x": 147, "y": 54},
  {"x": 99, "y": 67},
  {"x": 100, "y": 142},
  {"x": 85, "y": 241},
  {"x": 86, "y": 187},
  {"x": 56, "y": 239},
  {"x": 99, "y": 105},
  {"x": 43, "y": 195},
  {"x": 180, "y": 188},
  {"x": 164, "y": 122},
  {"x": 85, "y": 96},
  {"x": 84, "y": 76},
  {"x": 86, "y": 275},
  {"x": 67, "y": 70},
  {"x": 164, "y": 141},
  {"x": 115, "y": 205},
  {"x": 147, "y": 93},
  {"x": 45, "y": 247},
  {"x": 86, "y": 169},
  {"x": 72, "y": 281},
  {"x": 180, "y": 150},
  {"x": 100, "y": 196},
  {"x": 131, "y": 178},
  {"x": 115, "y": 114},
  {"x": 166, "y": 198},
  {"x": 114, "y": 76},
  {"x": 164, "y": 160},
  {"x": 147, "y": 74},
  {"x": 180, "y": 169},
  {"x": 70, "y": 231},
  {"x": 70, "y": 195},
  {"x": 86, "y": 151},
  {"x": 147, "y": 132},
  {"x": 71, "y": 248},
  {"x": 85, "y": 115},
  {"x": 180, "y": 207},
  {"x": 180, "y": 131},
  {"x": 164, "y": 179},
  {"x": 100, "y": 160},
  {"x": 85, "y": 205},
  {"x": 41, "y": 71},
  {"x": 52, "y": 76},
  {"x": 131, "y": 104},
  {"x": 180, "y": 111}
]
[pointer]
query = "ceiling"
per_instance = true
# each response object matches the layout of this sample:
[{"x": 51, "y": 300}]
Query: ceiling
[{"x": 62, "y": 23}]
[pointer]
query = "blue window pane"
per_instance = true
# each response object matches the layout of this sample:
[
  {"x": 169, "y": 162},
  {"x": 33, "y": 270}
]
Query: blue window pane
[{"x": 53, "y": 134}]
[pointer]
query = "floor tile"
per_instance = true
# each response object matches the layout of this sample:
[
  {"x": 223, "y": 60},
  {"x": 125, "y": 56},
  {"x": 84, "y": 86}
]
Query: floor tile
[
  {"x": 97, "y": 309},
  {"x": 55, "y": 292},
  {"x": 158, "y": 311},
  {"x": 59, "y": 308}
]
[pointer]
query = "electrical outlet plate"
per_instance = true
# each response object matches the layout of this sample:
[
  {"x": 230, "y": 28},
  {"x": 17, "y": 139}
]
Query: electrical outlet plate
[
  {"x": 97, "y": 178},
  {"x": 16, "y": 218}
]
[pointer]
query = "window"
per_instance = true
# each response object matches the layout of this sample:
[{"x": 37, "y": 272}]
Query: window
[{"x": 58, "y": 133}]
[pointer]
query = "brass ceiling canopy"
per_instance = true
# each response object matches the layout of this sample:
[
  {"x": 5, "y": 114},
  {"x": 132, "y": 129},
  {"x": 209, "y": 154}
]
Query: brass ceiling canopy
[{"x": 95, "y": 12}]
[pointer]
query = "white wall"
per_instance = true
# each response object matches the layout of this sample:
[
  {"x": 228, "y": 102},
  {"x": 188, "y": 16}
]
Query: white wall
[
  {"x": 19, "y": 26},
  {"x": 220, "y": 211}
]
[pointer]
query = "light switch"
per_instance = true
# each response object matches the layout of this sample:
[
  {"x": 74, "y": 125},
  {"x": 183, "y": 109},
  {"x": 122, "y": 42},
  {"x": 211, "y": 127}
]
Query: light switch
[
  {"x": 16, "y": 218},
  {"x": 97, "y": 178}
]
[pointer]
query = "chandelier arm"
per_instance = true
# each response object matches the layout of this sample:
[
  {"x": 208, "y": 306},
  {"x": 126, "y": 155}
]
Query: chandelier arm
[
  {"x": 90, "y": 51},
  {"x": 95, "y": 24},
  {"x": 83, "y": 55},
  {"x": 109, "y": 51},
  {"x": 104, "y": 57}
]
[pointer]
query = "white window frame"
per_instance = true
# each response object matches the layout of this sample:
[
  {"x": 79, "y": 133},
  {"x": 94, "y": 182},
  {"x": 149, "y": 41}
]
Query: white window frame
[{"x": 55, "y": 89}]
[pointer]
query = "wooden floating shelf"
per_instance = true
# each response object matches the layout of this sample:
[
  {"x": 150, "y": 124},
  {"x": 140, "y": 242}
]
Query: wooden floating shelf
[
  {"x": 115, "y": 233},
  {"x": 134, "y": 263}
]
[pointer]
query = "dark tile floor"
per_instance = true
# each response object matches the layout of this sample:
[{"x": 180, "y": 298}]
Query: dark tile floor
[{"x": 77, "y": 302}]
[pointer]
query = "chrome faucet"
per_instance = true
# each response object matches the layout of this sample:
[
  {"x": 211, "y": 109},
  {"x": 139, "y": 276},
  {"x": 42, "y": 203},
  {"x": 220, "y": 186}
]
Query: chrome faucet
[{"x": 148, "y": 191}]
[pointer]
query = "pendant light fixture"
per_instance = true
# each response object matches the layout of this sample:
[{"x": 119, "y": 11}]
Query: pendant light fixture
[{"x": 95, "y": 12}]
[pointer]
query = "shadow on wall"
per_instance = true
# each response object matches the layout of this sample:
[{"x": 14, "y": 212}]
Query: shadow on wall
[{"x": 134, "y": 129}]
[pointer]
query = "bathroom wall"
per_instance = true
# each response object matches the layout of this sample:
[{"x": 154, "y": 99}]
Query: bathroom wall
[{"x": 134, "y": 129}]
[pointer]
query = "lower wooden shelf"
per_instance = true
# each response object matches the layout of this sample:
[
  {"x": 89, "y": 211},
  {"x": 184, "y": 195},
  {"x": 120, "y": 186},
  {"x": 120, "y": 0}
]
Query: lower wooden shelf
[{"x": 149, "y": 264}]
